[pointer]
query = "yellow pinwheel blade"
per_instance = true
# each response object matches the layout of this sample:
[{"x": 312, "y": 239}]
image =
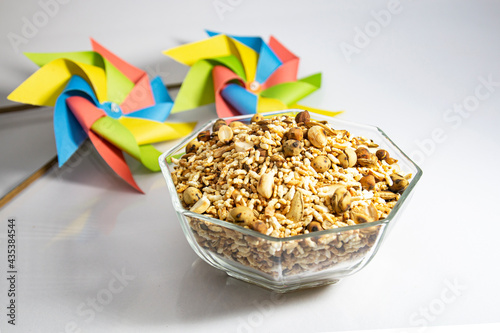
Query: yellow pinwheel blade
[
  {"x": 214, "y": 47},
  {"x": 265, "y": 104},
  {"x": 47, "y": 83},
  {"x": 147, "y": 131},
  {"x": 319, "y": 111}
]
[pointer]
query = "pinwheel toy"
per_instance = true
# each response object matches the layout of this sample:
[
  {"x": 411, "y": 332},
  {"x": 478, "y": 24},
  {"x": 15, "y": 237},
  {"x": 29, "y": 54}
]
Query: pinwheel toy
[
  {"x": 99, "y": 96},
  {"x": 241, "y": 75}
]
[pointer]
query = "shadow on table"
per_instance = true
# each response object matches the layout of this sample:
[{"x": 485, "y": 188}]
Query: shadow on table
[{"x": 207, "y": 294}]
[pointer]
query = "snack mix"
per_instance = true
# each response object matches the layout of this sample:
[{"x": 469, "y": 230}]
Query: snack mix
[{"x": 284, "y": 176}]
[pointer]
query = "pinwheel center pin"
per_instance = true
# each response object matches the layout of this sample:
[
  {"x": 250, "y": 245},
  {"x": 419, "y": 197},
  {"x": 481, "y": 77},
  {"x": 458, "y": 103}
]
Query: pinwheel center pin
[
  {"x": 254, "y": 86},
  {"x": 112, "y": 109}
]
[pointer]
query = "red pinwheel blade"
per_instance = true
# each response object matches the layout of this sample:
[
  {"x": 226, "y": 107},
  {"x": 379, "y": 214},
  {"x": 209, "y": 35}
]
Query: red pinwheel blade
[
  {"x": 223, "y": 76},
  {"x": 281, "y": 51},
  {"x": 287, "y": 72},
  {"x": 131, "y": 72},
  {"x": 87, "y": 113},
  {"x": 114, "y": 158},
  {"x": 140, "y": 96}
]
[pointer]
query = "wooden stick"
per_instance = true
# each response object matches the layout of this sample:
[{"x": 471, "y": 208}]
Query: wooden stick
[
  {"x": 25, "y": 183},
  {"x": 15, "y": 108}
]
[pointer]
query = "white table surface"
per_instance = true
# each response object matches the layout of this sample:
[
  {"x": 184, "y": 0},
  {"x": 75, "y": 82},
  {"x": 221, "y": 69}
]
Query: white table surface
[{"x": 94, "y": 256}]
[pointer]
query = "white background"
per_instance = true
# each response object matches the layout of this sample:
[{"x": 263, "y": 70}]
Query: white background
[{"x": 79, "y": 226}]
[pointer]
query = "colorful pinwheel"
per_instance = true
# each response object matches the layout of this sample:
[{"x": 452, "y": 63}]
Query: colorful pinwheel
[
  {"x": 242, "y": 75},
  {"x": 97, "y": 95}
]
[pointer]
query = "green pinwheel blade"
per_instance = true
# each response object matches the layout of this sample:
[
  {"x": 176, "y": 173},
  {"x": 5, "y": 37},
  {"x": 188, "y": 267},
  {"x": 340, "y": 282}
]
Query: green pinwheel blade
[
  {"x": 149, "y": 157},
  {"x": 291, "y": 92},
  {"x": 117, "y": 84},
  {"x": 314, "y": 80},
  {"x": 87, "y": 57},
  {"x": 113, "y": 131},
  {"x": 232, "y": 63},
  {"x": 198, "y": 88}
]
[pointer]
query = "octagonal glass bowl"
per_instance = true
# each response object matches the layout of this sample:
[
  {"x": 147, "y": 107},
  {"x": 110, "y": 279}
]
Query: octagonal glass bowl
[{"x": 296, "y": 262}]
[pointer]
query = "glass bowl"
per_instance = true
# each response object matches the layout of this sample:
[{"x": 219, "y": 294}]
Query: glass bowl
[{"x": 290, "y": 263}]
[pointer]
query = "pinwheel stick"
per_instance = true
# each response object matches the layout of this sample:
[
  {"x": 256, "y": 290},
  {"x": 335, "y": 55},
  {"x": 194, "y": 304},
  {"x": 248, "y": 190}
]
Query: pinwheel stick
[
  {"x": 25, "y": 183},
  {"x": 48, "y": 165},
  {"x": 15, "y": 108}
]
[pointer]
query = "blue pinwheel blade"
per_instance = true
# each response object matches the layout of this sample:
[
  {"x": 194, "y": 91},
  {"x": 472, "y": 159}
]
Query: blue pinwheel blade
[
  {"x": 160, "y": 92},
  {"x": 268, "y": 61},
  {"x": 240, "y": 98},
  {"x": 69, "y": 135},
  {"x": 163, "y": 103},
  {"x": 155, "y": 112},
  {"x": 77, "y": 86}
]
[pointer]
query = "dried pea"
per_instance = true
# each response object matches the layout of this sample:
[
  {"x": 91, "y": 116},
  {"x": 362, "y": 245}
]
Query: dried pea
[
  {"x": 321, "y": 163},
  {"x": 242, "y": 214},
  {"x": 259, "y": 226},
  {"x": 341, "y": 200},
  {"x": 257, "y": 117},
  {"x": 294, "y": 133},
  {"x": 191, "y": 195},
  {"x": 292, "y": 148},
  {"x": 193, "y": 146},
  {"x": 203, "y": 136},
  {"x": 218, "y": 123},
  {"x": 399, "y": 183},
  {"x": 236, "y": 124},
  {"x": 367, "y": 182},
  {"x": 314, "y": 226}
]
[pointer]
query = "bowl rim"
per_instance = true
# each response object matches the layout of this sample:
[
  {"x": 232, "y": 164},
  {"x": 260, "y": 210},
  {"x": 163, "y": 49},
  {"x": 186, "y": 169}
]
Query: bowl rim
[{"x": 186, "y": 212}]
